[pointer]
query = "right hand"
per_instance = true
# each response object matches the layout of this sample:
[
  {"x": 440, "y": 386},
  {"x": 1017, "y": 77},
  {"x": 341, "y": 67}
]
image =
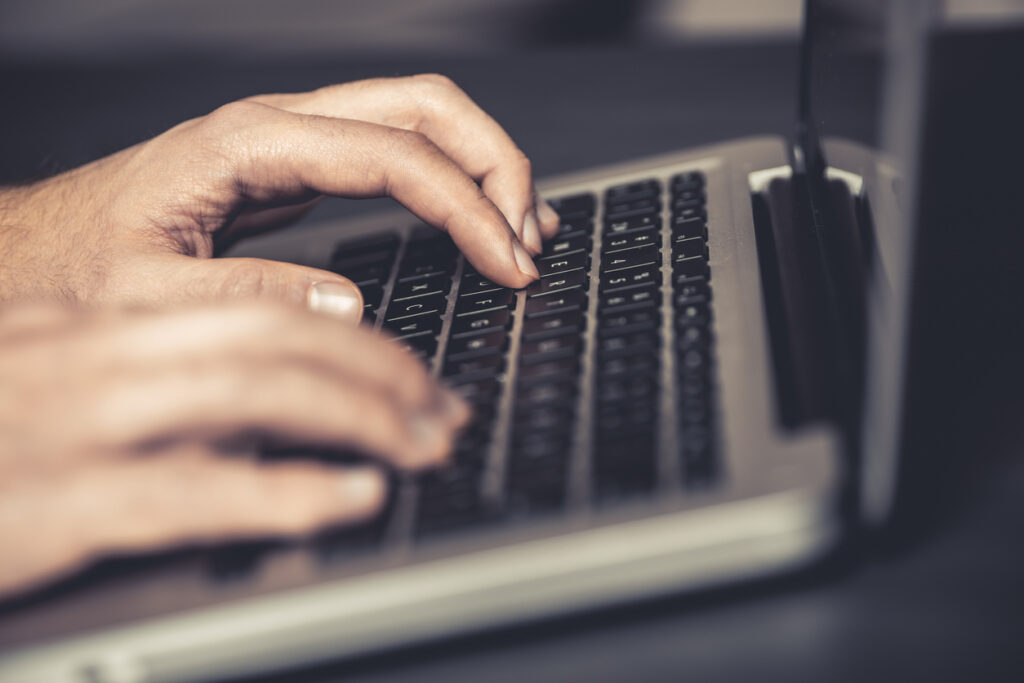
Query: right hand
[{"x": 127, "y": 431}]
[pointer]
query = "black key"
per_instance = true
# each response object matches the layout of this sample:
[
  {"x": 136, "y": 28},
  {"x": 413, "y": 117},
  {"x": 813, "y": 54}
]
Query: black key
[
  {"x": 627, "y": 389},
  {"x": 566, "y": 245},
  {"x": 475, "y": 368},
  {"x": 583, "y": 204},
  {"x": 633, "y": 278},
  {"x": 542, "y": 350},
  {"x": 694, "y": 361},
  {"x": 685, "y": 269},
  {"x": 630, "y": 300},
  {"x": 692, "y": 314},
  {"x": 488, "y": 301},
  {"x": 692, "y": 213},
  {"x": 547, "y": 419},
  {"x": 553, "y": 304},
  {"x": 417, "y": 324},
  {"x": 366, "y": 275},
  {"x": 628, "y": 345},
  {"x": 433, "y": 284},
  {"x": 372, "y": 293},
  {"x": 637, "y": 223},
  {"x": 449, "y": 511},
  {"x": 643, "y": 189},
  {"x": 692, "y": 287},
  {"x": 413, "y": 270},
  {"x": 433, "y": 303},
  {"x": 369, "y": 243},
  {"x": 533, "y": 451},
  {"x": 561, "y": 370},
  {"x": 690, "y": 195},
  {"x": 685, "y": 228},
  {"x": 461, "y": 348},
  {"x": 643, "y": 320},
  {"x": 643, "y": 363},
  {"x": 545, "y": 393},
  {"x": 553, "y": 325},
  {"x": 476, "y": 284},
  {"x": 576, "y": 228},
  {"x": 479, "y": 391},
  {"x": 680, "y": 204},
  {"x": 642, "y": 256},
  {"x": 498, "y": 319},
  {"x": 369, "y": 258},
  {"x": 574, "y": 279},
  {"x": 636, "y": 208},
  {"x": 555, "y": 265},
  {"x": 641, "y": 238},
  {"x": 693, "y": 247},
  {"x": 691, "y": 180}
]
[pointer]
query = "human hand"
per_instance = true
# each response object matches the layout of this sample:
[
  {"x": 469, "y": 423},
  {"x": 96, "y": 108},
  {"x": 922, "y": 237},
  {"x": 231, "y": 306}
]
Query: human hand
[
  {"x": 124, "y": 431},
  {"x": 126, "y": 230}
]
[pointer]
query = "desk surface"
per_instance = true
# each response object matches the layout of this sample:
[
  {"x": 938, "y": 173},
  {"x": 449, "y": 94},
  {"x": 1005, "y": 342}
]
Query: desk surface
[{"x": 946, "y": 605}]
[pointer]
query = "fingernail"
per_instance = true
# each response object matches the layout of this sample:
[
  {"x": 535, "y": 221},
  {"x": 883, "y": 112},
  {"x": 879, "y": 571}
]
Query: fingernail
[
  {"x": 337, "y": 299},
  {"x": 362, "y": 487},
  {"x": 545, "y": 214},
  {"x": 524, "y": 261},
  {"x": 531, "y": 233}
]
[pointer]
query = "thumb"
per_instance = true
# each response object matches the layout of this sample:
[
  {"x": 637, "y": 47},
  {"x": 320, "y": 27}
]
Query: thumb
[{"x": 182, "y": 279}]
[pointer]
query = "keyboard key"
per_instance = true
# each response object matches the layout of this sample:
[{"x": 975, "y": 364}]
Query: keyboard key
[
  {"x": 563, "y": 369},
  {"x": 691, "y": 180},
  {"x": 687, "y": 287},
  {"x": 566, "y": 245},
  {"x": 680, "y": 204},
  {"x": 690, "y": 195},
  {"x": 632, "y": 278},
  {"x": 425, "y": 322},
  {"x": 550, "y": 418},
  {"x": 635, "y": 224},
  {"x": 542, "y": 350},
  {"x": 366, "y": 275},
  {"x": 545, "y": 393},
  {"x": 691, "y": 248},
  {"x": 556, "y": 265},
  {"x": 685, "y": 228},
  {"x": 578, "y": 204},
  {"x": 627, "y": 345},
  {"x": 474, "y": 368},
  {"x": 498, "y": 319},
  {"x": 461, "y": 348},
  {"x": 685, "y": 269},
  {"x": 481, "y": 303},
  {"x": 553, "y": 304},
  {"x": 474, "y": 283},
  {"x": 617, "y": 324},
  {"x": 414, "y": 270},
  {"x": 642, "y": 256},
  {"x": 581, "y": 227},
  {"x": 574, "y": 279},
  {"x": 636, "y": 208},
  {"x": 642, "y": 363},
  {"x": 478, "y": 391},
  {"x": 692, "y": 213},
  {"x": 554, "y": 325},
  {"x": 630, "y": 300},
  {"x": 692, "y": 314},
  {"x": 432, "y": 303},
  {"x": 372, "y": 293},
  {"x": 644, "y": 189},
  {"x": 642, "y": 238},
  {"x": 433, "y": 284}
]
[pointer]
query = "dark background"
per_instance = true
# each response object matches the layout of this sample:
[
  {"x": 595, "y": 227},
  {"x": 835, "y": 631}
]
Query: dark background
[{"x": 941, "y": 600}]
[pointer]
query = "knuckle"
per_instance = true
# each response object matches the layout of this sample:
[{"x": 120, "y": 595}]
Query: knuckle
[
  {"x": 436, "y": 80},
  {"x": 244, "y": 280}
]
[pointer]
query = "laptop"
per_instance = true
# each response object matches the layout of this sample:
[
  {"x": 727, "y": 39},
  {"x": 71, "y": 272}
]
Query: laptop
[{"x": 705, "y": 386}]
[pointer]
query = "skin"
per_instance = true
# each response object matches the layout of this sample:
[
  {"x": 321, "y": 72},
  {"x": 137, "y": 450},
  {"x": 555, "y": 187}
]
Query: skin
[{"x": 138, "y": 376}]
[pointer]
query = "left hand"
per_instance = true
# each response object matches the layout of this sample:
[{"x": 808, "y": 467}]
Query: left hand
[{"x": 137, "y": 228}]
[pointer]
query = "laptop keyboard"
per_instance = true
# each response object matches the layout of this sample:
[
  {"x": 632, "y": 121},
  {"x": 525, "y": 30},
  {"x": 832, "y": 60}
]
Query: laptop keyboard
[{"x": 525, "y": 356}]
